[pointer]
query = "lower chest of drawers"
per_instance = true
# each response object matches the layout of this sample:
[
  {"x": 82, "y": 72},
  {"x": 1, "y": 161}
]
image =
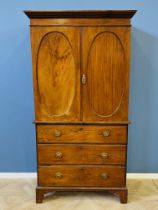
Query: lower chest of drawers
[{"x": 81, "y": 156}]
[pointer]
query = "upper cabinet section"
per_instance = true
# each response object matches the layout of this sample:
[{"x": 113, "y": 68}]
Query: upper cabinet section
[{"x": 80, "y": 63}]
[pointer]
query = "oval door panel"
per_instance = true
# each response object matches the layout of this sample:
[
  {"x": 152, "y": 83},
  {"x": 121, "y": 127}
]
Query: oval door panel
[
  {"x": 106, "y": 72},
  {"x": 56, "y": 74}
]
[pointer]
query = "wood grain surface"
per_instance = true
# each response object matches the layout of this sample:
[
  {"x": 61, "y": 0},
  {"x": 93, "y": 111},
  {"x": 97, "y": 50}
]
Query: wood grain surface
[
  {"x": 106, "y": 66},
  {"x": 81, "y": 154},
  {"x": 83, "y": 176},
  {"x": 81, "y": 134},
  {"x": 56, "y": 73}
]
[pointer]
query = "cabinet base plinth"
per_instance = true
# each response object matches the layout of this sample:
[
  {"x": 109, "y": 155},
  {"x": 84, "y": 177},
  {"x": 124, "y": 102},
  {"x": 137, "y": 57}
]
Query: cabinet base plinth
[{"x": 42, "y": 192}]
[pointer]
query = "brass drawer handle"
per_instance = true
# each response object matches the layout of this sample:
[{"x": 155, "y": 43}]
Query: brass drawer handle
[
  {"x": 58, "y": 175},
  {"x": 106, "y": 133},
  {"x": 57, "y": 133},
  {"x": 104, "y": 155},
  {"x": 104, "y": 176},
  {"x": 59, "y": 155}
]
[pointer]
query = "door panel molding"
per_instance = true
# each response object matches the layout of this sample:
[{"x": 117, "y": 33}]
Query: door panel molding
[
  {"x": 60, "y": 75},
  {"x": 57, "y": 73},
  {"x": 105, "y": 91}
]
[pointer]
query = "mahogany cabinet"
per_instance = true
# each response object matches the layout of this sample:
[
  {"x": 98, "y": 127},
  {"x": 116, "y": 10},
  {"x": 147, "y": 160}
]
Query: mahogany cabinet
[{"x": 80, "y": 62}]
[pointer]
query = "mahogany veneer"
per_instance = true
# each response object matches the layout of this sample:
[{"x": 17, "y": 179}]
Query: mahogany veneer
[
  {"x": 80, "y": 62},
  {"x": 81, "y": 134}
]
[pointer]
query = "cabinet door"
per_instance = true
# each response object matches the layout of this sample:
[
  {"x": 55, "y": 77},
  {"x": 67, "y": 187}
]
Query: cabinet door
[
  {"x": 105, "y": 55},
  {"x": 56, "y": 73}
]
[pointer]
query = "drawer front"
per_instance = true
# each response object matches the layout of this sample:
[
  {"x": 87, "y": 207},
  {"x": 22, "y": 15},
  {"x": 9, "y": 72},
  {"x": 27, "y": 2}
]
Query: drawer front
[
  {"x": 81, "y": 154},
  {"x": 81, "y": 176},
  {"x": 81, "y": 134}
]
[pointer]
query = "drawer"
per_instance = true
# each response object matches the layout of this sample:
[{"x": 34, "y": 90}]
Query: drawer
[
  {"x": 81, "y": 176},
  {"x": 81, "y": 154},
  {"x": 81, "y": 134}
]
